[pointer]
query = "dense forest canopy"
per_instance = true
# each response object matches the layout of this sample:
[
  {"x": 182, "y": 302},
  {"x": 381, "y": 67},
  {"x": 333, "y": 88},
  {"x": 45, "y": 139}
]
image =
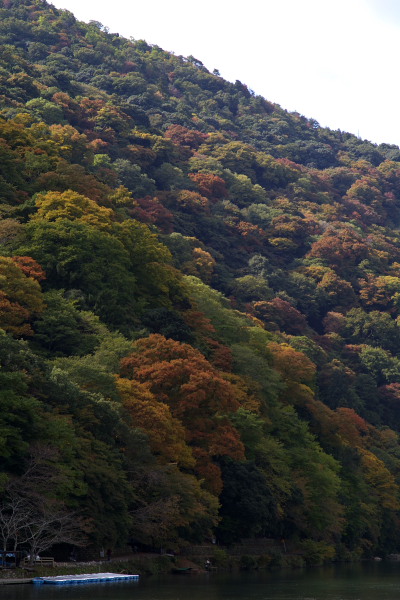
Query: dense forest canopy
[{"x": 199, "y": 303}]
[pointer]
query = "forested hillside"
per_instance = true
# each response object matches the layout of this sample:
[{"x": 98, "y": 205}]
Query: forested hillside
[{"x": 199, "y": 303}]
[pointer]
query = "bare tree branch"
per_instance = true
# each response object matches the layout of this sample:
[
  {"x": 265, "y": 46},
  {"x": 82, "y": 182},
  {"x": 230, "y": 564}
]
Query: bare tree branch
[{"x": 30, "y": 514}]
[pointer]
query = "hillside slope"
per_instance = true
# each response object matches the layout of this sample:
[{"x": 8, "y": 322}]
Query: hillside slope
[{"x": 199, "y": 303}]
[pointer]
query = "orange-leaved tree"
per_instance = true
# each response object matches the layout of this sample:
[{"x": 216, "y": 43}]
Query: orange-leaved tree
[
  {"x": 199, "y": 395},
  {"x": 166, "y": 434},
  {"x": 21, "y": 296}
]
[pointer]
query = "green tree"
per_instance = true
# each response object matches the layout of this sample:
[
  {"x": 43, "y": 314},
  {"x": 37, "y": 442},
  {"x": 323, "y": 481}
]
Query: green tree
[
  {"x": 246, "y": 491},
  {"x": 77, "y": 256},
  {"x": 62, "y": 329}
]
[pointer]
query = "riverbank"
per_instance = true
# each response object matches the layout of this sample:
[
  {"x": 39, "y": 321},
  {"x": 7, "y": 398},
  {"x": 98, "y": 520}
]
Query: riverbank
[
  {"x": 141, "y": 564},
  {"x": 194, "y": 560}
]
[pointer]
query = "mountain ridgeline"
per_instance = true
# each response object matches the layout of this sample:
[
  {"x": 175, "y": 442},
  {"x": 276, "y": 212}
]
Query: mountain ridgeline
[{"x": 199, "y": 304}]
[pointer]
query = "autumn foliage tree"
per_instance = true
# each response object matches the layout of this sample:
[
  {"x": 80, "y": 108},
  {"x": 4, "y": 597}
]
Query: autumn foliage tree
[
  {"x": 71, "y": 206},
  {"x": 342, "y": 249},
  {"x": 166, "y": 433},
  {"x": 21, "y": 296},
  {"x": 197, "y": 394}
]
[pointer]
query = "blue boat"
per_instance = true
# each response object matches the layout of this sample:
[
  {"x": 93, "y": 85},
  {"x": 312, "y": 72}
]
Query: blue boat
[{"x": 85, "y": 578}]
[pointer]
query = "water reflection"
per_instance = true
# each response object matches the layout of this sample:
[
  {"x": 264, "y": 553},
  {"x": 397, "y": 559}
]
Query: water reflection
[{"x": 367, "y": 581}]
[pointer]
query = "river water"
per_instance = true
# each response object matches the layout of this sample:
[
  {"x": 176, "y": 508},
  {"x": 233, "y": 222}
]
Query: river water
[{"x": 366, "y": 581}]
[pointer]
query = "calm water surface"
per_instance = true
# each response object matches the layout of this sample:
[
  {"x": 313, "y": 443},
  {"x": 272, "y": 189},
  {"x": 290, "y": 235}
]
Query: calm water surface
[{"x": 372, "y": 581}]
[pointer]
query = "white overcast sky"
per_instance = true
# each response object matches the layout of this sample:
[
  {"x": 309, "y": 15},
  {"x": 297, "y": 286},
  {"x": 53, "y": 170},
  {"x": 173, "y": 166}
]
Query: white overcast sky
[{"x": 335, "y": 61}]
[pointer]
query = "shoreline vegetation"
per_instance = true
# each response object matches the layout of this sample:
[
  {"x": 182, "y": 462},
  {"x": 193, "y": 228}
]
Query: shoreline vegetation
[{"x": 150, "y": 564}]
